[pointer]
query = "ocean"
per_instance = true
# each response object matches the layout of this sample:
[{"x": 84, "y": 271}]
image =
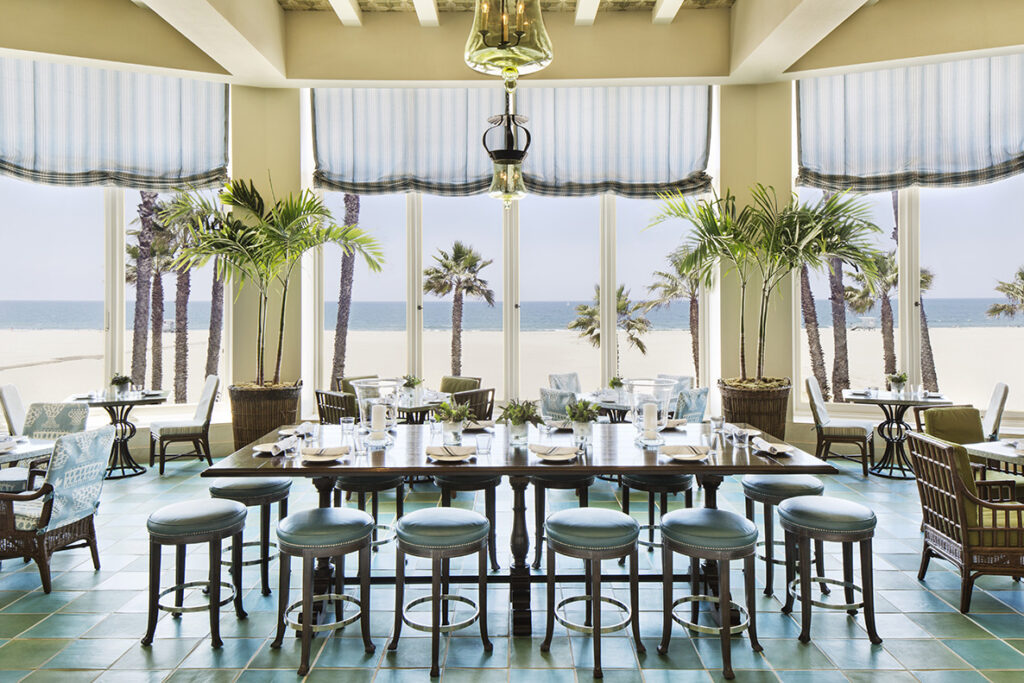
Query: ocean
[{"x": 534, "y": 315}]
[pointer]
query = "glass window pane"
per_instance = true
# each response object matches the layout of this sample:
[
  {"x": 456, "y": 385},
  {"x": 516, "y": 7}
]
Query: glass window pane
[
  {"x": 51, "y": 290},
  {"x": 375, "y": 343},
  {"x": 971, "y": 244},
  {"x": 559, "y": 266},
  {"x": 476, "y": 223}
]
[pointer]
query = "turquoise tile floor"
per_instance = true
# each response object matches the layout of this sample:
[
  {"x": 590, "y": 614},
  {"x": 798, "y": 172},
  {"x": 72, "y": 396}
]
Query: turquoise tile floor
[{"x": 88, "y": 628}]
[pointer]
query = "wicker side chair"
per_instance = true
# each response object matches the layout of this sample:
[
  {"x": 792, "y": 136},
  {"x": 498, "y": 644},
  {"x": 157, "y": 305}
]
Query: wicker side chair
[
  {"x": 59, "y": 514},
  {"x": 334, "y": 405},
  {"x": 831, "y": 431},
  {"x": 480, "y": 402},
  {"x": 963, "y": 521}
]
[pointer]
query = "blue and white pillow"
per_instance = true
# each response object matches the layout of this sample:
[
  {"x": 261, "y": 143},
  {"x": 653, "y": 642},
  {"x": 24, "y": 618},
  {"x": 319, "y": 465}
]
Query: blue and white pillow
[{"x": 691, "y": 404}]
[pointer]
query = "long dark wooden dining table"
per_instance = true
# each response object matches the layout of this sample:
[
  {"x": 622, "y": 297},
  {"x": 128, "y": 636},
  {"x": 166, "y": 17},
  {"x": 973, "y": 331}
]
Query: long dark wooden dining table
[{"x": 612, "y": 452}]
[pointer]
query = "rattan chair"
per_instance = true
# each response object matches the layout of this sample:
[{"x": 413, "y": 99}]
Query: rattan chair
[
  {"x": 451, "y": 384},
  {"x": 480, "y": 402},
  {"x": 990, "y": 423},
  {"x": 831, "y": 431},
  {"x": 334, "y": 405},
  {"x": 42, "y": 421},
  {"x": 963, "y": 425},
  {"x": 963, "y": 521}
]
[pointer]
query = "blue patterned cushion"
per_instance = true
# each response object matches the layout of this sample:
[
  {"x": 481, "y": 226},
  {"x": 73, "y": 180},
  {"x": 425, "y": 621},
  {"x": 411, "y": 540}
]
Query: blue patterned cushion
[
  {"x": 554, "y": 401},
  {"x": 54, "y": 420},
  {"x": 75, "y": 472},
  {"x": 691, "y": 404}
]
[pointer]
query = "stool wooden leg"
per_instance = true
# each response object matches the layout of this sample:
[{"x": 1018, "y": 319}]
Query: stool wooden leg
[
  {"x": 804, "y": 545},
  {"x": 688, "y": 497},
  {"x": 749, "y": 564},
  {"x": 445, "y": 573},
  {"x": 491, "y": 508},
  {"x": 587, "y": 581},
  {"x": 791, "y": 560},
  {"x": 650, "y": 521},
  {"x": 179, "y": 577},
  {"x": 625, "y": 510},
  {"x": 339, "y": 586},
  {"x": 154, "y": 591},
  {"x": 584, "y": 495},
  {"x": 549, "y": 589},
  {"x": 769, "y": 549},
  {"x": 482, "y": 599},
  {"x": 284, "y": 569},
  {"x": 538, "y": 523},
  {"x": 634, "y": 598},
  {"x": 819, "y": 563},
  {"x": 265, "y": 548},
  {"x": 725, "y": 615},
  {"x": 666, "y": 599},
  {"x": 236, "y": 574},
  {"x": 848, "y": 576},
  {"x": 595, "y": 600},
  {"x": 867, "y": 582},
  {"x": 435, "y": 618},
  {"x": 364, "y": 598},
  {"x": 307, "y": 614},
  {"x": 694, "y": 588},
  {"x": 399, "y": 501},
  {"x": 399, "y": 597},
  {"x": 374, "y": 510},
  {"x": 214, "y": 586}
]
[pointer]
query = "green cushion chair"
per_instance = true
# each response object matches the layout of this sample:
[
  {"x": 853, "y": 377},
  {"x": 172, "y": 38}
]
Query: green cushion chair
[
  {"x": 452, "y": 385},
  {"x": 963, "y": 425}
]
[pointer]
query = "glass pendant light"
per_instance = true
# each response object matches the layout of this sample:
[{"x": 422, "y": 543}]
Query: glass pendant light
[
  {"x": 507, "y": 142},
  {"x": 508, "y": 39}
]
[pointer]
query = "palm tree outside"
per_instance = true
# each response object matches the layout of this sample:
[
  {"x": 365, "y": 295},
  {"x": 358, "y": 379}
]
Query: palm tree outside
[
  {"x": 143, "y": 277},
  {"x": 810, "y": 316},
  {"x": 457, "y": 272},
  {"x": 679, "y": 284},
  {"x": 1013, "y": 290},
  {"x": 630, "y": 319},
  {"x": 877, "y": 289},
  {"x": 348, "y": 270}
]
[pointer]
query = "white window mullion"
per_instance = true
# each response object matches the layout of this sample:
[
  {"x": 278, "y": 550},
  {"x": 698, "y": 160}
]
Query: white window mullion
[
  {"x": 414, "y": 283},
  {"x": 908, "y": 259},
  {"x": 608, "y": 309},
  {"x": 114, "y": 290},
  {"x": 510, "y": 305}
]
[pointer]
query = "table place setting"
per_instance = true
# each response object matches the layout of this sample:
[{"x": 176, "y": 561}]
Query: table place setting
[
  {"x": 1016, "y": 444},
  {"x": 559, "y": 425},
  {"x": 323, "y": 454},
  {"x": 686, "y": 453},
  {"x": 552, "y": 453},
  {"x": 449, "y": 454},
  {"x": 8, "y": 443},
  {"x": 279, "y": 447},
  {"x": 678, "y": 424},
  {"x": 762, "y": 446},
  {"x": 303, "y": 431}
]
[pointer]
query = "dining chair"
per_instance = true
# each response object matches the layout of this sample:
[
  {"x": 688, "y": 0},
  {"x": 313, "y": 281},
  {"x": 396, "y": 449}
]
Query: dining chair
[
  {"x": 691, "y": 404},
  {"x": 568, "y": 381},
  {"x": 963, "y": 425},
  {"x": 195, "y": 431},
  {"x": 43, "y": 421},
  {"x": 344, "y": 384},
  {"x": 333, "y": 405},
  {"x": 14, "y": 410},
  {"x": 994, "y": 415},
  {"x": 553, "y": 403},
  {"x": 480, "y": 402},
  {"x": 451, "y": 384},
  {"x": 831, "y": 430}
]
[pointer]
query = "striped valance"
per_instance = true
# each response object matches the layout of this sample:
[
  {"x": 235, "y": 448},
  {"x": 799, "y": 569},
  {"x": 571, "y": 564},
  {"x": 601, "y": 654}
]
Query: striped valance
[
  {"x": 943, "y": 125},
  {"x": 65, "y": 124},
  {"x": 632, "y": 141}
]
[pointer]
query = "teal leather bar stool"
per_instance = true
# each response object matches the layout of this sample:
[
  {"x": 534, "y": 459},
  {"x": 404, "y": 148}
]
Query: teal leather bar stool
[
  {"x": 373, "y": 485},
  {"x": 313, "y": 534},
  {"x": 441, "y": 534},
  {"x": 823, "y": 518},
  {"x": 263, "y": 492},
  {"x": 488, "y": 483},
  {"x": 196, "y": 521},
  {"x": 656, "y": 485},
  {"x": 592, "y": 535},
  {"x": 718, "y": 536},
  {"x": 770, "y": 490},
  {"x": 541, "y": 483}
]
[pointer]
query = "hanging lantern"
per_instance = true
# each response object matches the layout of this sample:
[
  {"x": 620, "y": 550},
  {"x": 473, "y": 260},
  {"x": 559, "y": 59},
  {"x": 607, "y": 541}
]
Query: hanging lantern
[
  {"x": 507, "y": 142},
  {"x": 508, "y": 39}
]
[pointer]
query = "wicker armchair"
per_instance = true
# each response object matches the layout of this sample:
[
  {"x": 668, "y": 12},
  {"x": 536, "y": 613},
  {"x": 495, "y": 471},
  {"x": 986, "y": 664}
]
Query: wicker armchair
[
  {"x": 963, "y": 521},
  {"x": 42, "y": 421},
  {"x": 59, "y": 515},
  {"x": 480, "y": 401},
  {"x": 334, "y": 405}
]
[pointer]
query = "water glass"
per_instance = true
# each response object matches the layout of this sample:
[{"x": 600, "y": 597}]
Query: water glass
[
  {"x": 483, "y": 443},
  {"x": 347, "y": 425},
  {"x": 741, "y": 438},
  {"x": 717, "y": 423},
  {"x": 358, "y": 443},
  {"x": 435, "y": 427}
]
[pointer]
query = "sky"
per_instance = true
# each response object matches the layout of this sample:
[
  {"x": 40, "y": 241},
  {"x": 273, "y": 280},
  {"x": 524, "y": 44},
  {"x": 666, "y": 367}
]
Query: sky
[{"x": 51, "y": 241}]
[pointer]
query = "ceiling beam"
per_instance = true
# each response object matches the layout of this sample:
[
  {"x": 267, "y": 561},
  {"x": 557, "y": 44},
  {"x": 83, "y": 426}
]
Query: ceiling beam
[
  {"x": 768, "y": 36},
  {"x": 348, "y": 11},
  {"x": 586, "y": 12},
  {"x": 426, "y": 11},
  {"x": 665, "y": 11},
  {"x": 246, "y": 37}
]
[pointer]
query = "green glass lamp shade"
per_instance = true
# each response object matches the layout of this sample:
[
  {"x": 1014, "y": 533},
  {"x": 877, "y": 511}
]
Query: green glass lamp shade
[
  {"x": 507, "y": 182},
  {"x": 508, "y": 38}
]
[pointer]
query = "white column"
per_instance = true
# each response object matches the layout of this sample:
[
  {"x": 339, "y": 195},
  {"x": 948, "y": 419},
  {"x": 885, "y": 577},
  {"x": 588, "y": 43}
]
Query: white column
[
  {"x": 414, "y": 283},
  {"x": 609, "y": 314},
  {"x": 510, "y": 302},
  {"x": 908, "y": 259},
  {"x": 314, "y": 366},
  {"x": 113, "y": 286}
]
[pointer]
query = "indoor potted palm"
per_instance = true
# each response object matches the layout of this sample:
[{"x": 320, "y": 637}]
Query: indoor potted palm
[
  {"x": 453, "y": 421},
  {"x": 517, "y": 417},
  {"x": 259, "y": 246},
  {"x": 763, "y": 243},
  {"x": 583, "y": 415}
]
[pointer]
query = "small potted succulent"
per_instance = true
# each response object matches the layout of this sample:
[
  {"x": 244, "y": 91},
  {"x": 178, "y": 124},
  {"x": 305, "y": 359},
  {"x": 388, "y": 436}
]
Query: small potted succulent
[
  {"x": 897, "y": 381},
  {"x": 120, "y": 383},
  {"x": 518, "y": 416},
  {"x": 411, "y": 387},
  {"x": 453, "y": 420},
  {"x": 583, "y": 415}
]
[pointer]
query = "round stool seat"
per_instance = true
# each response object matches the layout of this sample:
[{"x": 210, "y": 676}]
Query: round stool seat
[
  {"x": 781, "y": 486},
  {"x": 572, "y": 480},
  {"x": 324, "y": 527},
  {"x": 441, "y": 527},
  {"x": 470, "y": 480},
  {"x": 254, "y": 488},
  {"x": 197, "y": 518},
  {"x": 658, "y": 482},
  {"x": 369, "y": 481},
  {"x": 824, "y": 513},
  {"x": 592, "y": 528},
  {"x": 709, "y": 528}
]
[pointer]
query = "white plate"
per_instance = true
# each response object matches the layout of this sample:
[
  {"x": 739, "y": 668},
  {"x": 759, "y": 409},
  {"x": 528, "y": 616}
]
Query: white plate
[
  {"x": 265, "y": 449},
  {"x": 450, "y": 458},
  {"x": 321, "y": 459},
  {"x": 689, "y": 457},
  {"x": 556, "y": 457}
]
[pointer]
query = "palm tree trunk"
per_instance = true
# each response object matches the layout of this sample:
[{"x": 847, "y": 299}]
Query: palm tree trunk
[
  {"x": 930, "y": 379},
  {"x": 840, "y": 352},
  {"x": 810, "y": 315},
  {"x": 143, "y": 273},
  {"x": 888, "y": 335},
  {"x": 183, "y": 286},
  {"x": 695, "y": 337},
  {"x": 348, "y": 268},
  {"x": 743, "y": 330},
  {"x": 280, "y": 335},
  {"x": 157, "y": 319},
  {"x": 216, "y": 323},
  {"x": 457, "y": 332}
]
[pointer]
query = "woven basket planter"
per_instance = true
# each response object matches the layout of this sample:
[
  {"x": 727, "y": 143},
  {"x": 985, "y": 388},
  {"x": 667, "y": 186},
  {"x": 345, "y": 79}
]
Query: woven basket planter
[
  {"x": 258, "y": 410},
  {"x": 765, "y": 409}
]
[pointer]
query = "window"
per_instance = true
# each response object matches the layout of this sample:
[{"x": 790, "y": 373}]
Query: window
[
  {"x": 475, "y": 223},
  {"x": 375, "y": 343},
  {"x": 51, "y": 290},
  {"x": 559, "y": 269}
]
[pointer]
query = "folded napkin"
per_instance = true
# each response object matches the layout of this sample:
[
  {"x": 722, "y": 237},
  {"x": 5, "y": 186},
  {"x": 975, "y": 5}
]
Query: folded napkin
[
  {"x": 304, "y": 429},
  {"x": 279, "y": 447},
  {"x": 479, "y": 424},
  {"x": 451, "y": 451},
  {"x": 559, "y": 424},
  {"x": 544, "y": 450},
  {"x": 858, "y": 392},
  {"x": 333, "y": 450},
  {"x": 760, "y": 444},
  {"x": 933, "y": 394},
  {"x": 673, "y": 424},
  {"x": 685, "y": 450}
]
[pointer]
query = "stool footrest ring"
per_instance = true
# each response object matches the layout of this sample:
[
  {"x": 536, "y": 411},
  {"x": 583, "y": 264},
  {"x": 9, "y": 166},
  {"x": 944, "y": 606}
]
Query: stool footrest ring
[
  {"x": 794, "y": 590},
  {"x": 391, "y": 536},
  {"x": 331, "y": 626},
  {"x": 193, "y": 608},
  {"x": 249, "y": 563},
  {"x": 761, "y": 544},
  {"x": 444, "y": 628},
  {"x": 711, "y": 630},
  {"x": 580, "y": 628},
  {"x": 648, "y": 544}
]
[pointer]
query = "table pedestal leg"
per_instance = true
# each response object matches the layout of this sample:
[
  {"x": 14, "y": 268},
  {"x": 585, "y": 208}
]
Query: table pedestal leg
[
  {"x": 121, "y": 464},
  {"x": 709, "y": 569},
  {"x": 519, "y": 571},
  {"x": 323, "y": 574},
  {"x": 894, "y": 463}
]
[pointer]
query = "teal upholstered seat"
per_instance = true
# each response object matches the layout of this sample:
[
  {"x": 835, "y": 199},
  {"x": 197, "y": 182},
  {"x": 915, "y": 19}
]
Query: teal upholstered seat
[
  {"x": 324, "y": 527},
  {"x": 254, "y": 488},
  {"x": 645, "y": 481},
  {"x": 691, "y": 404},
  {"x": 196, "y": 518},
  {"x": 824, "y": 513},
  {"x": 782, "y": 485},
  {"x": 477, "y": 481},
  {"x": 596, "y": 528},
  {"x": 441, "y": 527},
  {"x": 708, "y": 528}
]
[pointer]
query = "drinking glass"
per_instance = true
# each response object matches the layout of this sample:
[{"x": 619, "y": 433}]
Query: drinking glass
[
  {"x": 358, "y": 443},
  {"x": 741, "y": 438},
  {"x": 717, "y": 423},
  {"x": 347, "y": 425},
  {"x": 483, "y": 443}
]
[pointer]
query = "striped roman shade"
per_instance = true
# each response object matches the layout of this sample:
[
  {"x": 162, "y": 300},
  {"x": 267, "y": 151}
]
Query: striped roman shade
[
  {"x": 941, "y": 125},
  {"x": 66, "y": 124},
  {"x": 632, "y": 141}
]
